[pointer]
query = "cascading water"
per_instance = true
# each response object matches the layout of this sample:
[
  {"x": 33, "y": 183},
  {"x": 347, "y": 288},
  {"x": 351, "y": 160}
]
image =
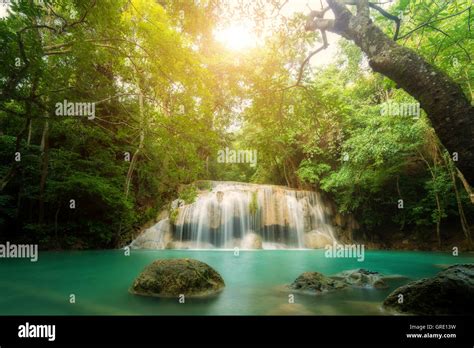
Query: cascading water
[{"x": 247, "y": 216}]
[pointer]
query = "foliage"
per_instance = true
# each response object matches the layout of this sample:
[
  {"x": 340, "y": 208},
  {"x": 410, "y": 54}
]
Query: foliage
[
  {"x": 152, "y": 131},
  {"x": 333, "y": 135},
  {"x": 174, "y": 215},
  {"x": 168, "y": 97},
  {"x": 188, "y": 194},
  {"x": 253, "y": 206}
]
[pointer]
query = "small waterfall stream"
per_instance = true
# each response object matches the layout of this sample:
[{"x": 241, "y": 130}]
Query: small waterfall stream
[{"x": 247, "y": 216}]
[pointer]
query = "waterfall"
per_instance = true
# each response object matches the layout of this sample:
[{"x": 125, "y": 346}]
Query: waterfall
[{"x": 247, "y": 216}]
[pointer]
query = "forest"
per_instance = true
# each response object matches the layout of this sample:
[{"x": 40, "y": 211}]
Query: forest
[{"x": 110, "y": 109}]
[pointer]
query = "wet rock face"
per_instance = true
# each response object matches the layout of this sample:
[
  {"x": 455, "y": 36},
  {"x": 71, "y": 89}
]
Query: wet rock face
[
  {"x": 362, "y": 278},
  {"x": 316, "y": 283},
  {"x": 450, "y": 292},
  {"x": 155, "y": 237},
  {"x": 252, "y": 241},
  {"x": 317, "y": 240},
  {"x": 214, "y": 216},
  {"x": 175, "y": 277}
]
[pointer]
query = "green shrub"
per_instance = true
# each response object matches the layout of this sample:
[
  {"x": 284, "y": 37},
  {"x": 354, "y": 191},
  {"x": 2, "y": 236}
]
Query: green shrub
[{"x": 189, "y": 194}]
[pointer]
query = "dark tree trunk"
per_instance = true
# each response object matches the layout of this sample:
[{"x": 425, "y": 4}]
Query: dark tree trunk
[
  {"x": 44, "y": 169},
  {"x": 448, "y": 108}
]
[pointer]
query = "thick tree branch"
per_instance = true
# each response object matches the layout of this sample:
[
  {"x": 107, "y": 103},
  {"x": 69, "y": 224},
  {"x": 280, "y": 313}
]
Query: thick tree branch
[
  {"x": 363, "y": 8},
  {"x": 446, "y": 105}
]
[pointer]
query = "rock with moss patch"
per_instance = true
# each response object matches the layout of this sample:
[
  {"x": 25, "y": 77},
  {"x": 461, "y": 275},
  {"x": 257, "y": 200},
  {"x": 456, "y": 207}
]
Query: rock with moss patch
[
  {"x": 170, "y": 278},
  {"x": 362, "y": 278},
  {"x": 450, "y": 292},
  {"x": 315, "y": 283}
]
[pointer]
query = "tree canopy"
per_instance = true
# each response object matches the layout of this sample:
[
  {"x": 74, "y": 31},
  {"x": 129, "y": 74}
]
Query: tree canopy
[{"x": 167, "y": 96}]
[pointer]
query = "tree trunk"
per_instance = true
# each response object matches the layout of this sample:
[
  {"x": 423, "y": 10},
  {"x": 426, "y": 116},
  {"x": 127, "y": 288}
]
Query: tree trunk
[
  {"x": 44, "y": 169},
  {"x": 133, "y": 162},
  {"x": 30, "y": 130},
  {"x": 448, "y": 108},
  {"x": 27, "y": 129},
  {"x": 462, "y": 217},
  {"x": 438, "y": 203},
  {"x": 12, "y": 172}
]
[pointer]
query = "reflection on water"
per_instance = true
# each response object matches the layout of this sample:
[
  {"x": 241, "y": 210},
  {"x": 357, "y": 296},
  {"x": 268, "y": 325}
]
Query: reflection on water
[{"x": 254, "y": 279}]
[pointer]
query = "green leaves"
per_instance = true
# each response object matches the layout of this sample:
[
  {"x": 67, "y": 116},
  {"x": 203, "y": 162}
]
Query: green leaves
[
  {"x": 168, "y": 97},
  {"x": 312, "y": 173},
  {"x": 104, "y": 52}
]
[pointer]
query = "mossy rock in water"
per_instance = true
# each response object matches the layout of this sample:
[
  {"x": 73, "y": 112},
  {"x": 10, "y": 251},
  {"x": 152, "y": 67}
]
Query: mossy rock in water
[
  {"x": 170, "y": 278},
  {"x": 450, "y": 292},
  {"x": 361, "y": 278},
  {"x": 315, "y": 283}
]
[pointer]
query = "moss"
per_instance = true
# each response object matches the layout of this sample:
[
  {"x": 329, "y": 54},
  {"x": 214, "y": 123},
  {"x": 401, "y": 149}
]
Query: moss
[
  {"x": 173, "y": 215},
  {"x": 253, "y": 206},
  {"x": 169, "y": 278},
  {"x": 204, "y": 185},
  {"x": 314, "y": 282},
  {"x": 189, "y": 194}
]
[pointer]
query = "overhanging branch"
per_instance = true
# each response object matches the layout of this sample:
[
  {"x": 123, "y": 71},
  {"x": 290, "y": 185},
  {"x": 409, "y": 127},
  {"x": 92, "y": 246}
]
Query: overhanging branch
[{"x": 388, "y": 16}]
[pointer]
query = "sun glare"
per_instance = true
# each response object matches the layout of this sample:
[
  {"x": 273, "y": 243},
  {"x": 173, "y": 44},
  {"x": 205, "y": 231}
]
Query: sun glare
[{"x": 236, "y": 37}]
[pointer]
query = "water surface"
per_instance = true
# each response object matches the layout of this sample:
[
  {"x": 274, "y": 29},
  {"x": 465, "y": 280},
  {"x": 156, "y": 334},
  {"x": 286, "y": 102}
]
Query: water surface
[{"x": 100, "y": 281}]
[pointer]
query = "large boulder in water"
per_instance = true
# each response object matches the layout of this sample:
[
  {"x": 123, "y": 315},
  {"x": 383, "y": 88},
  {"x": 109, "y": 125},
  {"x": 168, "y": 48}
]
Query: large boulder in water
[
  {"x": 362, "y": 278},
  {"x": 174, "y": 277},
  {"x": 315, "y": 283},
  {"x": 450, "y": 292}
]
